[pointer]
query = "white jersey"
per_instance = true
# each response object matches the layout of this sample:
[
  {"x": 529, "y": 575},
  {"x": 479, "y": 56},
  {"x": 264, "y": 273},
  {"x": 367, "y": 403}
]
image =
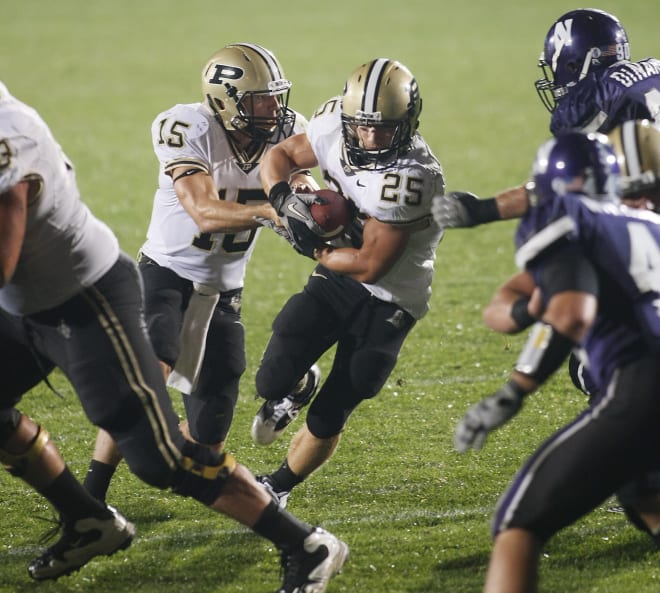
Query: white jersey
[
  {"x": 400, "y": 195},
  {"x": 188, "y": 135},
  {"x": 65, "y": 247}
]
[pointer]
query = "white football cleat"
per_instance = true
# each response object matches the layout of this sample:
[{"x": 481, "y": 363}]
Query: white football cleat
[
  {"x": 275, "y": 415},
  {"x": 310, "y": 568}
]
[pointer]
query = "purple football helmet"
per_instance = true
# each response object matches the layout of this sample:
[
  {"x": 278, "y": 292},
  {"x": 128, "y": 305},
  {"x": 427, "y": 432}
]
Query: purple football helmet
[
  {"x": 574, "y": 162},
  {"x": 579, "y": 42}
]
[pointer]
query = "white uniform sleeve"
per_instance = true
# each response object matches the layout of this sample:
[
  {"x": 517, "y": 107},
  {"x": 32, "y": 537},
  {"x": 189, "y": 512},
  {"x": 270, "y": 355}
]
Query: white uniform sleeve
[{"x": 178, "y": 135}]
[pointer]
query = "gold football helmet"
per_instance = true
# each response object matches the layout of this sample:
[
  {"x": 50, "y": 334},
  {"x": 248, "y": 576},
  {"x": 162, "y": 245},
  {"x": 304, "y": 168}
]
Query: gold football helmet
[
  {"x": 637, "y": 147},
  {"x": 236, "y": 79},
  {"x": 381, "y": 94}
]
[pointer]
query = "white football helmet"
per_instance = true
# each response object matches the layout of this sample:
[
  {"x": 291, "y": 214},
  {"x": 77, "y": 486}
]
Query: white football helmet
[
  {"x": 384, "y": 94},
  {"x": 234, "y": 77}
]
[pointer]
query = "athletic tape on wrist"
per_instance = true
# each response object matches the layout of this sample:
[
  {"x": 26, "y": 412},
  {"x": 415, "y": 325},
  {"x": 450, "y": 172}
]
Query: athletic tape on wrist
[{"x": 543, "y": 353}]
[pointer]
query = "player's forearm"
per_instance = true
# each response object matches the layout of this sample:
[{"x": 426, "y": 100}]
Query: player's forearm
[
  {"x": 230, "y": 217},
  {"x": 349, "y": 262},
  {"x": 512, "y": 202},
  {"x": 276, "y": 167}
]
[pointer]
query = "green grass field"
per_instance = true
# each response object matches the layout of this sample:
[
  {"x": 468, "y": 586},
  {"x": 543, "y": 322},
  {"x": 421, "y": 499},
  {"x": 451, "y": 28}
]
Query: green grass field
[{"x": 415, "y": 513}]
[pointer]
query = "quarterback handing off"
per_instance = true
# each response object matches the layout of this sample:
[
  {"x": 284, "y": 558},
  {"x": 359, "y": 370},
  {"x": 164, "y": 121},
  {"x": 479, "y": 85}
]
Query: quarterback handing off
[
  {"x": 368, "y": 291},
  {"x": 70, "y": 298},
  {"x": 207, "y": 214}
]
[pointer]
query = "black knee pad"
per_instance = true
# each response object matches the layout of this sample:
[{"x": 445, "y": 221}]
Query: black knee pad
[
  {"x": 276, "y": 377},
  {"x": 328, "y": 423},
  {"x": 209, "y": 420}
]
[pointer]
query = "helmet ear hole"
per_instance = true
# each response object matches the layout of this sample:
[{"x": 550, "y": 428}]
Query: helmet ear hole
[{"x": 572, "y": 67}]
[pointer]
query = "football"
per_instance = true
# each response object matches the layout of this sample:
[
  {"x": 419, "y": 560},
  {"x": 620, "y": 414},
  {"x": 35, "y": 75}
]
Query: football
[{"x": 332, "y": 216}]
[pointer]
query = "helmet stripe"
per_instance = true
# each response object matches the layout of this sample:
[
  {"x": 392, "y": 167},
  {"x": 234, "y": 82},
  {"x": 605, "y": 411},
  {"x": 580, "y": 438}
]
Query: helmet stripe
[
  {"x": 266, "y": 56},
  {"x": 630, "y": 145},
  {"x": 372, "y": 85}
]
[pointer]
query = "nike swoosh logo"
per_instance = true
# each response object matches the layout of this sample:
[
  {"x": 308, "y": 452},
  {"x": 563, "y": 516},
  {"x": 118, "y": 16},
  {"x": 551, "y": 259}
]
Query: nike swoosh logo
[
  {"x": 315, "y": 274},
  {"x": 291, "y": 207},
  {"x": 360, "y": 184}
]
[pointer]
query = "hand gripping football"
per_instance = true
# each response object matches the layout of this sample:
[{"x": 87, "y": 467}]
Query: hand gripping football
[{"x": 333, "y": 215}]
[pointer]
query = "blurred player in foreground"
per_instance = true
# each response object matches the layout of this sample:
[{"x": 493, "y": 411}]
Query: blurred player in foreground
[
  {"x": 595, "y": 269},
  {"x": 70, "y": 298}
]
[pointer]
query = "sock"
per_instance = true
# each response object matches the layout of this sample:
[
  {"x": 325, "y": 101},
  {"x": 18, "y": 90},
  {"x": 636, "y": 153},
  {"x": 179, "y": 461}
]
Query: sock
[
  {"x": 97, "y": 480},
  {"x": 71, "y": 500},
  {"x": 284, "y": 478},
  {"x": 281, "y": 527}
]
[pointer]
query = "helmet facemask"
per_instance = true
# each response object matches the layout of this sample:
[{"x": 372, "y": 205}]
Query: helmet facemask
[
  {"x": 262, "y": 128},
  {"x": 386, "y": 153}
]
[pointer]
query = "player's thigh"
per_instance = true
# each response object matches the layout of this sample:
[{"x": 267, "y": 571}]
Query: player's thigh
[
  {"x": 166, "y": 297},
  {"x": 210, "y": 408},
  {"x": 588, "y": 460},
  {"x": 302, "y": 331},
  {"x": 365, "y": 357},
  {"x": 106, "y": 352},
  {"x": 369, "y": 351},
  {"x": 224, "y": 355},
  {"x": 21, "y": 366}
]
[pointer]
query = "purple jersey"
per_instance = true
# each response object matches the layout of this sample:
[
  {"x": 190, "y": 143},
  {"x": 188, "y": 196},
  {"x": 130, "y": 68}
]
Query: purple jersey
[
  {"x": 624, "y": 247},
  {"x": 607, "y": 98}
]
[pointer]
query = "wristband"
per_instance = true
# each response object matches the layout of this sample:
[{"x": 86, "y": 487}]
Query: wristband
[
  {"x": 520, "y": 314},
  {"x": 487, "y": 210},
  {"x": 481, "y": 211}
]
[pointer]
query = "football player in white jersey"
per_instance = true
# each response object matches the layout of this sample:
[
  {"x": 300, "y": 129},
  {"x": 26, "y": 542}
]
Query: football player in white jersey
[
  {"x": 203, "y": 230},
  {"x": 364, "y": 297},
  {"x": 70, "y": 298}
]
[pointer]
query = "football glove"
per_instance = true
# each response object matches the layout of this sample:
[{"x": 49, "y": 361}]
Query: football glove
[
  {"x": 293, "y": 210},
  {"x": 280, "y": 230},
  {"x": 489, "y": 414},
  {"x": 460, "y": 209}
]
